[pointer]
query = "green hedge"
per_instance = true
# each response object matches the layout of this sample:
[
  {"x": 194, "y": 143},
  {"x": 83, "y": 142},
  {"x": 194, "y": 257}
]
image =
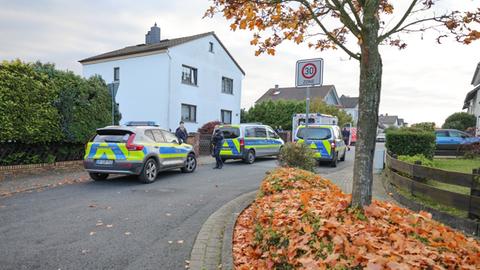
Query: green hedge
[
  {"x": 410, "y": 143},
  {"x": 43, "y": 107}
]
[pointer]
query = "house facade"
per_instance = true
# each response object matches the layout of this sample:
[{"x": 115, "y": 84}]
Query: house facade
[
  {"x": 192, "y": 79},
  {"x": 327, "y": 93},
  {"x": 350, "y": 106},
  {"x": 472, "y": 100}
]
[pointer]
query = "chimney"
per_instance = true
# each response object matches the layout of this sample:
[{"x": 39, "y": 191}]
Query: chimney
[
  {"x": 276, "y": 86},
  {"x": 153, "y": 36}
]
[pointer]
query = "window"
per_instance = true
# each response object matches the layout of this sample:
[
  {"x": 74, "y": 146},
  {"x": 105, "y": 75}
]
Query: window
[
  {"x": 260, "y": 132},
  {"x": 210, "y": 47},
  {"x": 189, "y": 113},
  {"x": 226, "y": 116},
  {"x": 314, "y": 133},
  {"x": 441, "y": 133},
  {"x": 227, "y": 85},
  {"x": 116, "y": 74},
  {"x": 189, "y": 75},
  {"x": 458, "y": 134},
  {"x": 272, "y": 134},
  {"x": 249, "y": 132},
  {"x": 158, "y": 136},
  {"x": 230, "y": 132},
  {"x": 169, "y": 137},
  {"x": 149, "y": 134}
]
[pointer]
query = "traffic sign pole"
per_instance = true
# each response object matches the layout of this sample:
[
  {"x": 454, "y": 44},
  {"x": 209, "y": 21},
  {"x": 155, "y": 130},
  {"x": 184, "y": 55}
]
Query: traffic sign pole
[{"x": 308, "y": 108}]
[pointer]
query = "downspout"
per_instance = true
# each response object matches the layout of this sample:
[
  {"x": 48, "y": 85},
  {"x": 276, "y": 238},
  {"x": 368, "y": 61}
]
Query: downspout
[{"x": 169, "y": 88}]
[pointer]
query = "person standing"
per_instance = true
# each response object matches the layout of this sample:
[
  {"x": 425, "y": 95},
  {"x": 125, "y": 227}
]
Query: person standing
[
  {"x": 346, "y": 137},
  {"x": 181, "y": 133},
  {"x": 217, "y": 141}
]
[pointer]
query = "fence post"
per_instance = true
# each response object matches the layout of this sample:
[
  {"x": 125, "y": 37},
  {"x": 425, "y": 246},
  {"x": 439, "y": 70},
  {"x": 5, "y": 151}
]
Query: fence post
[
  {"x": 415, "y": 171},
  {"x": 474, "y": 191}
]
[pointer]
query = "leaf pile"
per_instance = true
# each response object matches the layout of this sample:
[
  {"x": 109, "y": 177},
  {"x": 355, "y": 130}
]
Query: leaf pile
[{"x": 302, "y": 221}]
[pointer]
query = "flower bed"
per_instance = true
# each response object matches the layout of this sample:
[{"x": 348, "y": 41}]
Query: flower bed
[{"x": 302, "y": 221}]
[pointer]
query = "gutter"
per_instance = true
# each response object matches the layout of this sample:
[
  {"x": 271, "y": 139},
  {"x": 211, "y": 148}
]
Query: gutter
[{"x": 169, "y": 87}]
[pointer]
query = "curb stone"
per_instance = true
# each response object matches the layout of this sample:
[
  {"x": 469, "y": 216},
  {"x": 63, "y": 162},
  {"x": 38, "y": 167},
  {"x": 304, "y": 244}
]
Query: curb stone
[{"x": 213, "y": 245}]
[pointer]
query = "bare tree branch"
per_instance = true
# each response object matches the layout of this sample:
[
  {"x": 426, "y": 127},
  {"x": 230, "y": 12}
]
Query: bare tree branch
[
  {"x": 345, "y": 18},
  {"x": 399, "y": 24}
]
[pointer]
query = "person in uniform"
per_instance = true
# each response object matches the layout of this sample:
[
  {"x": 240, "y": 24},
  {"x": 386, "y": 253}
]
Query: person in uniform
[{"x": 217, "y": 141}]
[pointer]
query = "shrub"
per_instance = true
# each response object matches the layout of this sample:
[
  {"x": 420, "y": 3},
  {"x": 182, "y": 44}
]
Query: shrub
[
  {"x": 460, "y": 121},
  {"x": 411, "y": 143},
  {"x": 472, "y": 151},
  {"x": 297, "y": 155},
  {"x": 412, "y": 159},
  {"x": 426, "y": 126}
]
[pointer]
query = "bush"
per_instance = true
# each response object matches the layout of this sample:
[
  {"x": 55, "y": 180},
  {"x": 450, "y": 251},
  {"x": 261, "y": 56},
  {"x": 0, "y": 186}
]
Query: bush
[
  {"x": 460, "y": 121},
  {"x": 412, "y": 159},
  {"x": 208, "y": 127},
  {"x": 411, "y": 143},
  {"x": 472, "y": 151},
  {"x": 425, "y": 126},
  {"x": 297, "y": 155}
]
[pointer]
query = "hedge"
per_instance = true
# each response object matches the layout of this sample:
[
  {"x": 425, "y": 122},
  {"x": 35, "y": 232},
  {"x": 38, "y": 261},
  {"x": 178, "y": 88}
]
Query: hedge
[
  {"x": 43, "y": 108},
  {"x": 410, "y": 143}
]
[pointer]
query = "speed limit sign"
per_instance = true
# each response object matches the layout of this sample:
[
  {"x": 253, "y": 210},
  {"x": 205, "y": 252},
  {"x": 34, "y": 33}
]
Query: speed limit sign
[{"x": 309, "y": 72}]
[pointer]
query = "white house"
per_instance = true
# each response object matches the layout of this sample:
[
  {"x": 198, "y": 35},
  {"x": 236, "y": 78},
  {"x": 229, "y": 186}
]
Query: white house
[
  {"x": 350, "y": 106},
  {"x": 193, "y": 78},
  {"x": 472, "y": 100}
]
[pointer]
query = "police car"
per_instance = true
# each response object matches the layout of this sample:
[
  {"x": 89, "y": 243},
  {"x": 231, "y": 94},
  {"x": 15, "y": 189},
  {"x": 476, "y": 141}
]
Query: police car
[
  {"x": 325, "y": 140},
  {"x": 136, "y": 150},
  {"x": 249, "y": 141}
]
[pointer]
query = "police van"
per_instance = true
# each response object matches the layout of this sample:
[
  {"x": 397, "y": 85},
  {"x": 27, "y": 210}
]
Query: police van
[
  {"x": 249, "y": 141},
  {"x": 325, "y": 140}
]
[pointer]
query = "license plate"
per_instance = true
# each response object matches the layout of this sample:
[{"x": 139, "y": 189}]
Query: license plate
[{"x": 103, "y": 162}]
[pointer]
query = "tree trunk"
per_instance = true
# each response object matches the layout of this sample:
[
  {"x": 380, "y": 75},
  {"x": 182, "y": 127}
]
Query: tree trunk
[{"x": 369, "y": 100}]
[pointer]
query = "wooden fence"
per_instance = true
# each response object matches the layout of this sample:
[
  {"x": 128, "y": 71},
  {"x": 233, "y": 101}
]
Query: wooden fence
[{"x": 412, "y": 178}]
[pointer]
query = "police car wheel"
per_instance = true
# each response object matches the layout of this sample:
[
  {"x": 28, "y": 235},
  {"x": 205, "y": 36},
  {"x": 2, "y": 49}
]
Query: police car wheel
[
  {"x": 334, "y": 161},
  {"x": 149, "y": 172},
  {"x": 190, "y": 164},
  {"x": 98, "y": 176},
  {"x": 250, "y": 158}
]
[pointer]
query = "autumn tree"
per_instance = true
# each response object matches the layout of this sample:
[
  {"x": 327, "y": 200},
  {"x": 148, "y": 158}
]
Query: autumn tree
[{"x": 358, "y": 27}]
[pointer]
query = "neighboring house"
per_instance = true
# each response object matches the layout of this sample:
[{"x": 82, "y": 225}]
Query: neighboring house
[
  {"x": 472, "y": 100},
  {"x": 386, "y": 121},
  {"x": 350, "y": 106},
  {"x": 327, "y": 93},
  {"x": 193, "y": 78}
]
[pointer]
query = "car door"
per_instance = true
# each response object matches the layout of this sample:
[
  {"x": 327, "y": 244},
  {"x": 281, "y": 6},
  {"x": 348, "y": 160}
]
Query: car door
[
  {"x": 339, "y": 142},
  {"x": 261, "y": 141},
  {"x": 172, "y": 153},
  {"x": 274, "y": 142},
  {"x": 442, "y": 140},
  {"x": 457, "y": 139}
]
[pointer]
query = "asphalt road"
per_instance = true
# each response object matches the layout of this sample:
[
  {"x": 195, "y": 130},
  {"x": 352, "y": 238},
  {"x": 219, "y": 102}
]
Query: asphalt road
[{"x": 120, "y": 223}]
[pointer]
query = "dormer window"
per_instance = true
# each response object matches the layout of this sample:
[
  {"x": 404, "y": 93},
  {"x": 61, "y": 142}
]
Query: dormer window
[{"x": 210, "y": 47}]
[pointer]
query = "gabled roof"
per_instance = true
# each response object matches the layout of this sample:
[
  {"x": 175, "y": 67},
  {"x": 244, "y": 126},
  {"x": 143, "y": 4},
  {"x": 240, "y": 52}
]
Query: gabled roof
[
  {"x": 388, "y": 119},
  {"x": 348, "y": 102},
  {"x": 296, "y": 93},
  {"x": 470, "y": 96},
  {"x": 161, "y": 46},
  {"x": 476, "y": 76}
]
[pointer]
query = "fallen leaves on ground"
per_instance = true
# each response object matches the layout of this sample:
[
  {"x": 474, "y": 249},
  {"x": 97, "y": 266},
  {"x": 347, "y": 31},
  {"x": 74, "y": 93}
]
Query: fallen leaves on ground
[{"x": 300, "y": 220}]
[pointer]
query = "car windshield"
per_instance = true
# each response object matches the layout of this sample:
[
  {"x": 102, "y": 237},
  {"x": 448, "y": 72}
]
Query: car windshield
[
  {"x": 230, "y": 132},
  {"x": 112, "y": 136},
  {"x": 314, "y": 133}
]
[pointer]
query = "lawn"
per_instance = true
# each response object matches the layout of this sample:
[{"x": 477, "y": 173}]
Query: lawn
[{"x": 457, "y": 165}]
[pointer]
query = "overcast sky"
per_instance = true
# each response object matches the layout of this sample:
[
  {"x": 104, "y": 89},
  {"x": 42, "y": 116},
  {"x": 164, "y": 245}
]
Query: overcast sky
[{"x": 425, "y": 82}]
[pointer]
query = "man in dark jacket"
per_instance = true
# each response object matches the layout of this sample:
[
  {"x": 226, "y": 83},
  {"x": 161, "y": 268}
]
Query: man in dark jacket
[
  {"x": 346, "y": 137},
  {"x": 217, "y": 141},
  {"x": 181, "y": 133}
]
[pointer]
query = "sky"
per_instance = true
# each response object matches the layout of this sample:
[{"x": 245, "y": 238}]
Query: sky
[{"x": 425, "y": 82}]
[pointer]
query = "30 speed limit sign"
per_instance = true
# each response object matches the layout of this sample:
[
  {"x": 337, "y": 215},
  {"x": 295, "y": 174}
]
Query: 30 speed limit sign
[{"x": 309, "y": 72}]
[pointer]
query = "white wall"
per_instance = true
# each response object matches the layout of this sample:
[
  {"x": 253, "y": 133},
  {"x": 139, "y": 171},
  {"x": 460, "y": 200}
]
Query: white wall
[
  {"x": 143, "y": 89},
  {"x": 207, "y": 95},
  {"x": 353, "y": 112}
]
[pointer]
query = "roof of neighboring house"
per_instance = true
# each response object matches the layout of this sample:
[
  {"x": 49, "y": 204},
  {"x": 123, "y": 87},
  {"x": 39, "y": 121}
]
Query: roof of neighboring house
[
  {"x": 470, "y": 96},
  {"x": 162, "y": 45},
  {"x": 401, "y": 122},
  {"x": 348, "y": 102},
  {"x": 296, "y": 93},
  {"x": 387, "y": 119},
  {"x": 476, "y": 76}
]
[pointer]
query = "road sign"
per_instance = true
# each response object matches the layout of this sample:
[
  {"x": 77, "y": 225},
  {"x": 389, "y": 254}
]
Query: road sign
[
  {"x": 309, "y": 72},
  {"x": 113, "y": 88}
]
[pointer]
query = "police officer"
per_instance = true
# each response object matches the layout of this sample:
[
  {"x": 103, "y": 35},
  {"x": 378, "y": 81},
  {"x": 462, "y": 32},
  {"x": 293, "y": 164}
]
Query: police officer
[
  {"x": 181, "y": 133},
  {"x": 217, "y": 141},
  {"x": 346, "y": 137}
]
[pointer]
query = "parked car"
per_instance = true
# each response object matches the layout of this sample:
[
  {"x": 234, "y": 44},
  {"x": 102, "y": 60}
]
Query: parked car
[
  {"x": 381, "y": 137},
  {"x": 452, "y": 140},
  {"x": 326, "y": 140},
  {"x": 249, "y": 141},
  {"x": 136, "y": 150}
]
